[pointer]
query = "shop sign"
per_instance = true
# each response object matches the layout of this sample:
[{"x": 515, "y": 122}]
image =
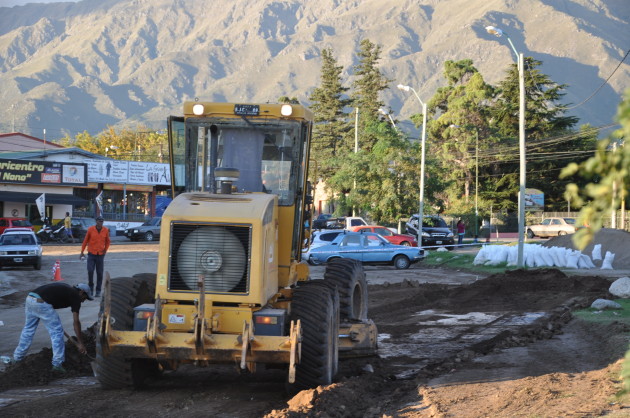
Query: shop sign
[
  {"x": 128, "y": 172},
  {"x": 534, "y": 199},
  {"x": 43, "y": 172}
]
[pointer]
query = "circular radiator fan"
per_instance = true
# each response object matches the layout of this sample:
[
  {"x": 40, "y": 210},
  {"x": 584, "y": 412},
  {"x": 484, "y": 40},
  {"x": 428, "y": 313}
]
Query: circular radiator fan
[{"x": 214, "y": 253}]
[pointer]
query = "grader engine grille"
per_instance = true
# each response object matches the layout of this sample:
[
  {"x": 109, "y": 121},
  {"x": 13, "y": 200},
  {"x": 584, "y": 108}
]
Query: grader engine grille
[{"x": 218, "y": 253}]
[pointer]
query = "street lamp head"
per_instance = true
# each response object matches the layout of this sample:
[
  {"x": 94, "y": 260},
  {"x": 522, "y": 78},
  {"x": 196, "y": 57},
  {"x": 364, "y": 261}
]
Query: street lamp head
[
  {"x": 403, "y": 88},
  {"x": 452, "y": 125},
  {"x": 494, "y": 31},
  {"x": 383, "y": 111}
]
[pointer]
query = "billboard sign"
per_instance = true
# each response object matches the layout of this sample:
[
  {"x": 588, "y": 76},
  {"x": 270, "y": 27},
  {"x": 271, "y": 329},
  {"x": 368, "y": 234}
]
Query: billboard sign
[
  {"x": 43, "y": 172},
  {"x": 128, "y": 172},
  {"x": 534, "y": 199}
]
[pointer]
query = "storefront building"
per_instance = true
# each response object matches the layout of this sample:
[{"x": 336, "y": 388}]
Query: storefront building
[{"x": 73, "y": 180}]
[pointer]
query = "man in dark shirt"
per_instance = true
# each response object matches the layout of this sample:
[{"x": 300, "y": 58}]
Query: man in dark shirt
[{"x": 40, "y": 305}]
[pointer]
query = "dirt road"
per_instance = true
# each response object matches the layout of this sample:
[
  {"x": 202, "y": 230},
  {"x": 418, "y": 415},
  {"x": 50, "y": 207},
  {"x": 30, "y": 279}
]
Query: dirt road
[{"x": 450, "y": 344}]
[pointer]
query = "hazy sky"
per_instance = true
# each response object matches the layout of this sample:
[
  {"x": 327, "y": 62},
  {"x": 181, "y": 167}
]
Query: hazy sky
[{"x": 10, "y": 3}]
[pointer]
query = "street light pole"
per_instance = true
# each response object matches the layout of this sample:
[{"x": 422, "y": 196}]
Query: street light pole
[
  {"x": 521, "y": 142},
  {"x": 476, "y": 184},
  {"x": 422, "y": 158},
  {"x": 356, "y": 149},
  {"x": 386, "y": 113}
]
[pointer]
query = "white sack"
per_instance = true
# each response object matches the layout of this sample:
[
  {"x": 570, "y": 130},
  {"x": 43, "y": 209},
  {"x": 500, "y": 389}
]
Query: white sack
[
  {"x": 597, "y": 252},
  {"x": 547, "y": 257},
  {"x": 482, "y": 255},
  {"x": 608, "y": 260},
  {"x": 585, "y": 262},
  {"x": 572, "y": 259}
]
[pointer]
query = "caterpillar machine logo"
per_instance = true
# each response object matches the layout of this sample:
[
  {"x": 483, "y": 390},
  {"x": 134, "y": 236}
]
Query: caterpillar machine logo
[{"x": 230, "y": 285}]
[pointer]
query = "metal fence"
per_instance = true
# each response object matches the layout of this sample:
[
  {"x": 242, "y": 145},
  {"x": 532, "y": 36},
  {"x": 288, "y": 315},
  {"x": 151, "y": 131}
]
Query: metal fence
[
  {"x": 508, "y": 222},
  {"x": 112, "y": 216}
]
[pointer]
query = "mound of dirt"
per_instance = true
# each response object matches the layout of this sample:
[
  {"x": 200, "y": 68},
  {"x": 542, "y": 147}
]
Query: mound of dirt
[
  {"x": 614, "y": 240},
  {"x": 394, "y": 307},
  {"x": 513, "y": 332},
  {"x": 36, "y": 368}
]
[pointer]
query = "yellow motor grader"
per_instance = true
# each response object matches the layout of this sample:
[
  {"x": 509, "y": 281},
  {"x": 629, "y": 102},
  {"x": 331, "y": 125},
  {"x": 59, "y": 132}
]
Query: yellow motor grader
[{"x": 230, "y": 285}]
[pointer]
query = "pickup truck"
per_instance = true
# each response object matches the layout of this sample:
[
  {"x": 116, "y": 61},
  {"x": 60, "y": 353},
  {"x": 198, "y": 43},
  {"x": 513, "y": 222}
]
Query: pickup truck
[{"x": 347, "y": 222}]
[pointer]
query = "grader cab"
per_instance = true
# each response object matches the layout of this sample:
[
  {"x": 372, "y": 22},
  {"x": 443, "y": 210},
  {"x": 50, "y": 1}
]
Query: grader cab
[{"x": 230, "y": 284}]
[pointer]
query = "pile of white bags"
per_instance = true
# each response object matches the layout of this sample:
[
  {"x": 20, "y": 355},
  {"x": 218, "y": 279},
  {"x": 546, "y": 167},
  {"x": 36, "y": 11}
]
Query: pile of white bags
[{"x": 535, "y": 255}]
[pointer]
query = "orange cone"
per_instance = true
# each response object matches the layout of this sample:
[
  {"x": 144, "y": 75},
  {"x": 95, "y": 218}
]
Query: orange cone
[{"x": 57, "y": 272}]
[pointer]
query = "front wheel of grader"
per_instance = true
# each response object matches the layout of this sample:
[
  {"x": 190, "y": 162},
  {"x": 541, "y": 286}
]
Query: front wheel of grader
[{"x": 112, "y": 371}]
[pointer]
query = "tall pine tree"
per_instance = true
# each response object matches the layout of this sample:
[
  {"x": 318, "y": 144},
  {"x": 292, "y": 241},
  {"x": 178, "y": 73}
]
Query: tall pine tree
[
  {"x": 327, "y": 104},
  {"x": 368, "y": 84}
]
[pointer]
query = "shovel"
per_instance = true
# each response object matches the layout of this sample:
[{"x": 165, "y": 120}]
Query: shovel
[{"x": 92, "y": 362}]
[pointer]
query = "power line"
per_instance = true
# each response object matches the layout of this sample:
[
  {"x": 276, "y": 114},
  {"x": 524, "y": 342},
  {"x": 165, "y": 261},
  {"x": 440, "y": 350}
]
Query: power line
[{"x": 603, "y": 84}]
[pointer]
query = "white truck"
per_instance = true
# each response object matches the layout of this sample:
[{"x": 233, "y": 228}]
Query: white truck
[{"x": 347, "y": 222}]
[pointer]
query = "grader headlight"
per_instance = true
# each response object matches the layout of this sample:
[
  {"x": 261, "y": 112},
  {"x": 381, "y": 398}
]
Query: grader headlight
[
  {"x": 286, "y": 110},
  {"x": 198, "y": 109}
]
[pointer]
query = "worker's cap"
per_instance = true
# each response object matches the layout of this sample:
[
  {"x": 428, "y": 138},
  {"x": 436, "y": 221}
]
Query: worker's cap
[
  {"x": 86, "y": 289},
  {"x": 99, "y": 218}
]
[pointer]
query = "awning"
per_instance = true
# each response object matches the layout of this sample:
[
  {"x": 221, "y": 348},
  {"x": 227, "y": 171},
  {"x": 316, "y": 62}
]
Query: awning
[{"x": 51, "y": 198}]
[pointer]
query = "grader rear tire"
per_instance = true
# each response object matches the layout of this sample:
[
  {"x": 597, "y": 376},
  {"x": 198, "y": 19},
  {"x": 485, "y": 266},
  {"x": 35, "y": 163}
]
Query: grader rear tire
[
  {"x": 349, "y": 278},
  {"x": 114, "y": 372},
  {"x": 315, "y": 306}
]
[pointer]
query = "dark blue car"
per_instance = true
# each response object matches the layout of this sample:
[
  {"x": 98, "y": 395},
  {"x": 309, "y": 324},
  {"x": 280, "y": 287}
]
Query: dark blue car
[{"x": 367, "y": 247}]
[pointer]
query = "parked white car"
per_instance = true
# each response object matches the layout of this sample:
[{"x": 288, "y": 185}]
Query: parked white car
[
  {"x": 319, "y": 238},
  {"x": 552, "y": 227},
  {"x": 20, "y": 247}
]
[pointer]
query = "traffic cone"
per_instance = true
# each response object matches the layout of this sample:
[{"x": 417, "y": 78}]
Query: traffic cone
[{"x": 57, "y": 272}]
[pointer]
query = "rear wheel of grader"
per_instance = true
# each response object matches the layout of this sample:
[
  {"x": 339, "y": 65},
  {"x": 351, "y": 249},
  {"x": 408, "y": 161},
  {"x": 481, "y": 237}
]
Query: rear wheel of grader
[
  {"x": 349, "y": 278},
  {"x": 112, "y": 371},
  {"x": 316, "y": 306}
]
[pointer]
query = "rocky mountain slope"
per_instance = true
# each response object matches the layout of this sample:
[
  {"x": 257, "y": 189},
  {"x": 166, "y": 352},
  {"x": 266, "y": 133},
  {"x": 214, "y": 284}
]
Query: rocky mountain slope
[{"x": 69, "y": 67}]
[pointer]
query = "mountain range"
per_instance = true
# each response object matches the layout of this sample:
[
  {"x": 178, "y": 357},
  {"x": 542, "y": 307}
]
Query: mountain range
[{"x": 71, "y": 67}]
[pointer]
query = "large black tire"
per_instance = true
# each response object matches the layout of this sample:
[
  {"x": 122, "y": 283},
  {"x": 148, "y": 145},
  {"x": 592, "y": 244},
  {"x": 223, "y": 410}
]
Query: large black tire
[
  {"x": 316, "y": 306},
  {"x": 43, "y": 238},
  {"x": 149, "y": 236},
  {"x": 114, "y": 372},
  {"x": 530, "y": 234},
  {"x": 349, "y": 278}
]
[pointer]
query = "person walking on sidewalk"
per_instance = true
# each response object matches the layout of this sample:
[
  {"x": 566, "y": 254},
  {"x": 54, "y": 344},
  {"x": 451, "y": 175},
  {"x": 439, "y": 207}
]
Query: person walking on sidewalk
[
  {"x": 67, "y": 222},
  {"x": 40, "y": 305},
  {"x": 97, "y": 242},
  {"x": 461, "y": 230}
]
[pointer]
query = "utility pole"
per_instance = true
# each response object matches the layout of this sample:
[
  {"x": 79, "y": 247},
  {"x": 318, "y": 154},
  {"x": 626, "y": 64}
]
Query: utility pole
[{"x": 356, "y": 149}]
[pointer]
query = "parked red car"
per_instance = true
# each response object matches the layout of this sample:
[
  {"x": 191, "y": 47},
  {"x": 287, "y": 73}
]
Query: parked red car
[
  {"x": 6, "y": 223},
  {"x": 397, "y": 239}
]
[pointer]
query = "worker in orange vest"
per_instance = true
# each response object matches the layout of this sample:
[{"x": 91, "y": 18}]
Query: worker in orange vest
[{"x": 97, "y": 242}]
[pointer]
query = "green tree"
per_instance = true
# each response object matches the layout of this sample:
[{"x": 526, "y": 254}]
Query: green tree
[
  {"x": 545, "y": 126},
  {"x": 608, "y": 173},
  {"x": 327, "y": 104},
  {"x": 463, "y": 123},
  {"x": 384, "y": 175},
  {"x": 82, "y": 140},
  {"x": 141, "y": 144},
  {"x": 544, "y": 115},
  {"x": 356, "y": 174},
  {"x": 368, "y": 84},
  {"x": 288, "y": 100}
]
